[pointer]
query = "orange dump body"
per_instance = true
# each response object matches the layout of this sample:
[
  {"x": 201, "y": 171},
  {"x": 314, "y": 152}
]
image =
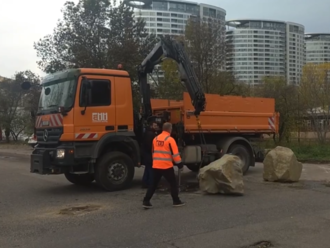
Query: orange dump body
[{"x": 223, "y": 114}]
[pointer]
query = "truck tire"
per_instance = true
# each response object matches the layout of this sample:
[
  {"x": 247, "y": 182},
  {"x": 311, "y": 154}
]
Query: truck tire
[
  {"x": 79, "y": 179},
  {"x": 114, "y": 171},
  {"x": 243, "y": 153},
  {"x": 194, "y": 168}
]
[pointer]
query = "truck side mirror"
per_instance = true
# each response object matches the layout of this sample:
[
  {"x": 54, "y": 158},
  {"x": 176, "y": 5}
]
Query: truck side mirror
[
  {"x": 87, "y": 83},
  {"x": 33, "y": 114},
  {"x": 26, "y": 85},
  {"x": 84, "y": 90}
]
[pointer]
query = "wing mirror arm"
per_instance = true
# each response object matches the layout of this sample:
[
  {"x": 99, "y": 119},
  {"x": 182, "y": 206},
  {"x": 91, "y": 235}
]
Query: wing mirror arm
[{"x": 85, "y": 88}]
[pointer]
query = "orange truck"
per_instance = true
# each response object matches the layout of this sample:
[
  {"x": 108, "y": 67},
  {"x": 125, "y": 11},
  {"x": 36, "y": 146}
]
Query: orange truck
[{"x": 86, "y": 127}]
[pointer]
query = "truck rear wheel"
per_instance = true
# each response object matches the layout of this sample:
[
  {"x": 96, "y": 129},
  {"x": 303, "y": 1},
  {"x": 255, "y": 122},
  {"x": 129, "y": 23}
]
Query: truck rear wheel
[
  {"x": 79, "y": 179},
  {"x": 114, "y": 171},
  {"x": 243, "y": 153}
]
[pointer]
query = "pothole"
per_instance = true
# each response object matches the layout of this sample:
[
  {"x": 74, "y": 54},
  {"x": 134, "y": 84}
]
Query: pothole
[
  {"x": 188, "y": 187},
  {"x": 261, "y": 244},
  {"x": 79, "y": 210},
  {"x": 326, "y": 183},
  {"x": 297, "y": 186}
]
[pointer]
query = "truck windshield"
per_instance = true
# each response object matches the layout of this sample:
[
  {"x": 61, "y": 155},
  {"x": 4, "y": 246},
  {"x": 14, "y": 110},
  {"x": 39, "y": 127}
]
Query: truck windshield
[{"x": 55, "y": 94}]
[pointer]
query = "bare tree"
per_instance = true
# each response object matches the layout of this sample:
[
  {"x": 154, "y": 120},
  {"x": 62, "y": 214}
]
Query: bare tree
[
  {"x": 19, "y": 124},
  {"x": 10, "y": 101},
  {"x": 14, "y": 103},
  {"x": 206, "y": 45}
]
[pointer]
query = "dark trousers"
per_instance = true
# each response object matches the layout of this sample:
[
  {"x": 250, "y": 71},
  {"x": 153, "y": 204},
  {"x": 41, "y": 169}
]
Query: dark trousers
[
  {"x": 169, "y": 175},
  {"x": 148, "y": 174}
]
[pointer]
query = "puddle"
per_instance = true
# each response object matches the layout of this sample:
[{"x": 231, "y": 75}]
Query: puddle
[{"x": 79, "y": 210}]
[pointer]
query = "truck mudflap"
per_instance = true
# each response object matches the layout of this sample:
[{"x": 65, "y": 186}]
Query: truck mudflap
[{"x": 43, "y": 161}]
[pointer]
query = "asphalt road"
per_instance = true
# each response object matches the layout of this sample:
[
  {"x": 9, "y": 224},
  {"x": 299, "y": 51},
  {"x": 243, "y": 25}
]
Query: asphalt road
[{"x": 286, "y": 215}]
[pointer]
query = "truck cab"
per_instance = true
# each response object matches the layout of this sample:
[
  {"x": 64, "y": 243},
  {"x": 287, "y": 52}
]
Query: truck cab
[{"x": 82, "y": 114}]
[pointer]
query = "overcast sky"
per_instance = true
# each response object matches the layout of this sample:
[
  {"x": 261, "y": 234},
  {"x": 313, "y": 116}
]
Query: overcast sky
[{"x": 24, "y": 22}]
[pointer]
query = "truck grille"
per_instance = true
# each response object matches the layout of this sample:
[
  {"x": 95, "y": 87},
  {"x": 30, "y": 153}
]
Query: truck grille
[{"x": 49, "y": 136}]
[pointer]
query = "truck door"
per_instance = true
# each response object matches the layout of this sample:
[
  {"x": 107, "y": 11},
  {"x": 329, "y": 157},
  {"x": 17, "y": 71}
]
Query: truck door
[
  {"x": 124, "y": 105},
  {"x": 99, "y": 117}
]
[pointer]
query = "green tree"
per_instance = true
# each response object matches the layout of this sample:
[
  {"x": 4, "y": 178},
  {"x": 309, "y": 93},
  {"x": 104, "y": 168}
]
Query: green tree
[
  {"x": 286, "y": 103},
  {"x": 96, "y": 34},
  {"x": 315, "y": 97},
  {"x": 169, "y": 86}
]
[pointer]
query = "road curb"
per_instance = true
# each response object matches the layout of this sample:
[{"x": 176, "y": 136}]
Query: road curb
[{"x": 312, "y": 161}]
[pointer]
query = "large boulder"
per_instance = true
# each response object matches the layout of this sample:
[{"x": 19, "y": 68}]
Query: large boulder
[
  {"x": 222, "y": 176},
  {"x": 281, "y": 165}
]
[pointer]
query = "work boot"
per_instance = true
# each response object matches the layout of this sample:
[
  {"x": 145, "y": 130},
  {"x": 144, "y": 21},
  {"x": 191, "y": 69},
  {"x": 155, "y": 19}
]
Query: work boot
[
  {"x": 147, "y": 204},
  {"x": 178, "y": 203}
]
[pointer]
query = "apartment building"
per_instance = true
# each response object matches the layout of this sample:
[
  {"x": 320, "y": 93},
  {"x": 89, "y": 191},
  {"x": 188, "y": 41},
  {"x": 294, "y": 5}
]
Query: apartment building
[
  {"x": 265, "y": 48},
  {"x": 317, "y": 48},
  {"x": 169, "y": 17}
]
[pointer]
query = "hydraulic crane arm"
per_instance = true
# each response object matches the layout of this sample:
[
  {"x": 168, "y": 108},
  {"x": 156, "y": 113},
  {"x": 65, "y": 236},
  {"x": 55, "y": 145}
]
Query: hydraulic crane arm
[{"x": 169, "y": 48}]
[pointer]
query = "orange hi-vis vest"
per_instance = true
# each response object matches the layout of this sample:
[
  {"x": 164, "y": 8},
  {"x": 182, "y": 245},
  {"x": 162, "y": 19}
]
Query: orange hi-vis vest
[{"x": 165, "y": 150}]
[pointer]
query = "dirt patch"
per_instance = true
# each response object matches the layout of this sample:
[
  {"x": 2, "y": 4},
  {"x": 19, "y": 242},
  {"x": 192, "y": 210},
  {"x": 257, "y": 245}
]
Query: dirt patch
[
  {"x": 78, "y": 210},
  {"x": 307, "y": 184}
]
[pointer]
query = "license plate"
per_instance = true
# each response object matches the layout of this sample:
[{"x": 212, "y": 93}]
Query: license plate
[{"x": 45, "y": 123}]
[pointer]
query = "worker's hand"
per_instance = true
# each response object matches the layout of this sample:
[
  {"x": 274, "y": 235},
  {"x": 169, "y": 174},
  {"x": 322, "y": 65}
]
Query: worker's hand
[{"x": 180, "y": 166}]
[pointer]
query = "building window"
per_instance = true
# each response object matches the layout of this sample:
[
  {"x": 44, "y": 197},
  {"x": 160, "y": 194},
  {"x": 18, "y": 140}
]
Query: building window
[{"x": 159, "y": 5}]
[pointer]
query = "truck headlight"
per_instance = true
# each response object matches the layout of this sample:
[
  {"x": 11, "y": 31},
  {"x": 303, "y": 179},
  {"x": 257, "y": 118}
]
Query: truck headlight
[{"x": 60, "y": 153}]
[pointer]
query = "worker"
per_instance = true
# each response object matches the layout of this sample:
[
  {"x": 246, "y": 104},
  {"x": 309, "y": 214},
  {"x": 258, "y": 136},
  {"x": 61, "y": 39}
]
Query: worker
[
  {"x": 165, "y": 150},
  {"x": 148, "y": 137}
]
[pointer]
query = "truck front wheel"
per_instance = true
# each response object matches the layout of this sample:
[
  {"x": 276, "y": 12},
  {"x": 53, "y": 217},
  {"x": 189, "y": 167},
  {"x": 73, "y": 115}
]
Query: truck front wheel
[
  {"x": 244, "y": 154},
  {"x": 114, "y": 171},
  {"x": 79, "y": 179}
]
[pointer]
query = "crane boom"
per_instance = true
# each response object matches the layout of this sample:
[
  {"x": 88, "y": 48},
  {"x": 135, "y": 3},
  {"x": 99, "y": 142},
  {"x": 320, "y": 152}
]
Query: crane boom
[{"x": 170, "y": 48}]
